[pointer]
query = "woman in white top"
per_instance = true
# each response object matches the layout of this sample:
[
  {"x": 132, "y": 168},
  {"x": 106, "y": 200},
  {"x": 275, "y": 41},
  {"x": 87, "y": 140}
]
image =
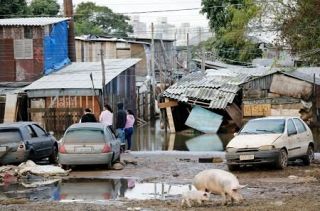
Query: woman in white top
[{"x": 106, "y": 116}]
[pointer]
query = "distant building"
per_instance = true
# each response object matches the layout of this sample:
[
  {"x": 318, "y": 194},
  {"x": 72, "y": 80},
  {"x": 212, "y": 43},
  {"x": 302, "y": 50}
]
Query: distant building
[
  {"x": 139, "y": 28},
  {"x": 164, "y": 30},
  {"x": 32, "y": 47}
]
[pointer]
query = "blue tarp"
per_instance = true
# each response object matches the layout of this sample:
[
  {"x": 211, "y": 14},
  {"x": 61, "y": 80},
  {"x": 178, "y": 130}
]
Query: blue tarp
[{"x": 56, "y": 48}]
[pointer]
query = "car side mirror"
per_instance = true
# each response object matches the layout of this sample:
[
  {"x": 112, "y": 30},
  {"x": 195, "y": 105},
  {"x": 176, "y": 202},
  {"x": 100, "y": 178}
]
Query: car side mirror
[
  {"x": 292, "y": 133},
  {"x": 51, "y": 133}
]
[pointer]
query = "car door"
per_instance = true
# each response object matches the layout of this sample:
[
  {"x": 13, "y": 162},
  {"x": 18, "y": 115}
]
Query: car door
[
  {"x": 33, "y": 143},
  {"x": 45, "y": 139},
  {"x": 304, "y": 136},
  {"x": 293, "y": 139}
]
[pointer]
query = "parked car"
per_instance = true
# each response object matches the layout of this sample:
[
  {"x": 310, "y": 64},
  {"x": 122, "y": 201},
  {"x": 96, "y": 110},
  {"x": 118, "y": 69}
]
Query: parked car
[
  {"x": 21, "y": 141},
  {"x": 271, "y": 140},
  {"x": 88, "y": 143}
]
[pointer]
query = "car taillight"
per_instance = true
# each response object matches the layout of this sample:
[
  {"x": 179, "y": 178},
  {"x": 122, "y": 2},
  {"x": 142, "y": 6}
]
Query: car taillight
[
  {"x": 62, "y": 149},
  {"x": 106, "y": 148}
]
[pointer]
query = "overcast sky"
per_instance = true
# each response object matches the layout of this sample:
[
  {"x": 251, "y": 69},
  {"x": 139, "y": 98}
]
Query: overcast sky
[{"x": 176, "y": 18}]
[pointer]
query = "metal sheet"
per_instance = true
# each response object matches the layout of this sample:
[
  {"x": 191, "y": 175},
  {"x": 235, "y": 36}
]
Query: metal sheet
[
  {"x": 38, "y": 21},
  {"x": 77, "y": 75},
  {"x": 204, "y": 120}
]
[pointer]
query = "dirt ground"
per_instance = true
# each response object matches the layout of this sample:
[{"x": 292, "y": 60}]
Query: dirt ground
[{"x": 295, "y": 188}]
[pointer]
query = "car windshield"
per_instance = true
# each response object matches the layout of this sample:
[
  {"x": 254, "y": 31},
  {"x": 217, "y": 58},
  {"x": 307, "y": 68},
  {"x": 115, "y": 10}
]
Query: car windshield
[
  {"x": 264, "y": 126},
  {"x": 84, "y": 136},
  {"x": 10, "y": 136}
]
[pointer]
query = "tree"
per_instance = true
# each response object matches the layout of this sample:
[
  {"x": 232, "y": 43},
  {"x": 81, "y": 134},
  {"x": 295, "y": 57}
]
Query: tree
[
  {"x": 12, "y": 8},
  {"x": 93, "y": 19},
  {"x": 44, "y": 7},
  {"x": 300, "y": 28},
  {"x": 230, "y": 20}
]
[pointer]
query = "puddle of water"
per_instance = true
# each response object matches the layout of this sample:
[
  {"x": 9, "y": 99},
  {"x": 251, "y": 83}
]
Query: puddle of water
[
  {"x": 151, "y": 138},
  {"x": 95, "y": 191}
]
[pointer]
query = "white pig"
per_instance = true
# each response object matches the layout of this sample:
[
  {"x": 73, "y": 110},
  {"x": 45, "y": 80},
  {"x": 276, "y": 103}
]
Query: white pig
[
  {"x": 194, "y": 196},
  {"x": 220, "y": 182}
]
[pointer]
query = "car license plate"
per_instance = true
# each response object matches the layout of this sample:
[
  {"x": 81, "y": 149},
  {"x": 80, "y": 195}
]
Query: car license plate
[
  {"x": 3, "y": 149},
  {"x": 246, "y": 157},
  {"x": 83, "y": 149}
]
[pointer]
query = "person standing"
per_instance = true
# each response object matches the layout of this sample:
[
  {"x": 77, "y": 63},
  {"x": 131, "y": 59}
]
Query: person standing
[
  {"x": 121, "y": 118},
  {"x": 88, "y": 116},
  {"x": 106, "y": 116},
  {"x": 129, "y": 127}
]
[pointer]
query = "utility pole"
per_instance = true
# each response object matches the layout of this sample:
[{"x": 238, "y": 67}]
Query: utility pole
[
  {"x": 152, "y": 84},
  {"x": 203, "y": 54},
  {"x": 68, "y": 12},
  {"x": 188, "y": 52},
  {"x": 103, "y": 78}
]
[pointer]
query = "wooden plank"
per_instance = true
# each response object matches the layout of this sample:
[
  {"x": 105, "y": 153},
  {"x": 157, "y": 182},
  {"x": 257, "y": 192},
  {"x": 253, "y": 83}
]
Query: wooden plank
[
  {"x": 257, "y": 110},
  {"x": 172, "y": 138},
  {"x": 168, "y": 104},
  {"x": 170, "y": 118},
  {"x": 235, "y": 113},
  {"x": 10, "y": 114}
]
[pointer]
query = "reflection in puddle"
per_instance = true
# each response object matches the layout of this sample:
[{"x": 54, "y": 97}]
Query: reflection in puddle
[
  {"x": 94, "y": 191},
  {"x": 151, "y": 138}
]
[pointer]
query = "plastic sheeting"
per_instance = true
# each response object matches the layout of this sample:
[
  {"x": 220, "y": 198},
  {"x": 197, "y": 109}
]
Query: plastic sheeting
[{"x": 56, "y": 48}]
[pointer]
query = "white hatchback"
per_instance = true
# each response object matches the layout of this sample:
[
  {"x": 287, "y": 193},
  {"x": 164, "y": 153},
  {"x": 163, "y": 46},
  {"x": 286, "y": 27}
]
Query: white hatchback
[{"x": 271, "y": 140}]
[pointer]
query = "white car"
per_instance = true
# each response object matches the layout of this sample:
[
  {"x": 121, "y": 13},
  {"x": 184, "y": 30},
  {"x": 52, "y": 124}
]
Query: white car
[{"x": 271, "y": 140}]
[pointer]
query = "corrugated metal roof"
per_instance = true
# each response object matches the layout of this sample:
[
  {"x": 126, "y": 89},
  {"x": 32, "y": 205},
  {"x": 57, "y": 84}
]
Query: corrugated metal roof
[
  {"x": 217, "y": 90},
  {"x": 91, "y": 38},
  {"x": 39, "y": 21},
  {"x": 77, "y": 75},
  {"x": 305, "y": 74}
]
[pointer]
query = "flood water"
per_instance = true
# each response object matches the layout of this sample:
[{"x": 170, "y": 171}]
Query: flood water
[
  {"x": 93, "y": 190},
  {"x": 151, "y": 138}
]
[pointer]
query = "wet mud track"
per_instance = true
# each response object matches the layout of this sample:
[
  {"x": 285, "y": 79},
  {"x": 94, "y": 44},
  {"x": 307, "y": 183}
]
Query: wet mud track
[{"x": 155, "y": 182}]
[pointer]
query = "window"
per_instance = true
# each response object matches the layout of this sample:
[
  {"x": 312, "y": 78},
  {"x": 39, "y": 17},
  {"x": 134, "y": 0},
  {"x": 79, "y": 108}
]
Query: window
[
  {"x": 291, "y": 129},
  {"x": 84, "y": 136},
  {"x": 264, "y": 126},
  {"x": 23, "y": 49},
  {"x": 10, "y": 136},
  {"x": 300, "y": 126},
  {"x": 28, "y": 32},
  {"x": 31, "y": 131},
  {"x": 39, "y": 130}
]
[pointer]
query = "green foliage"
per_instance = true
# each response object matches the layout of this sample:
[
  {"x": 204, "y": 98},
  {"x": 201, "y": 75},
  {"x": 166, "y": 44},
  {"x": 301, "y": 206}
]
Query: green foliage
[
  {"x": 300, "y": 28},
  {"x": 13, "y": 8},
  {"x": 93, "y": 19},
  {"x": 44, "y": 7},
  {"x": 230, "y": 19}
]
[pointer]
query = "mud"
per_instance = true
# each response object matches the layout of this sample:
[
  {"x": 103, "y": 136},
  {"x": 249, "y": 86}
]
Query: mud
[{"x": 295, "y": 188}]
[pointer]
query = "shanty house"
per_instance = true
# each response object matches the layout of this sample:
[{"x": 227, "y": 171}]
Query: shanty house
[
  {"x": 287, "y": 92},
  {"x": 32, "y": 47},
  {"x": 58, "y": 100}
]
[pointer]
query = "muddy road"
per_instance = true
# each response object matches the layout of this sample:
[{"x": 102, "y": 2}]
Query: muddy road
[{"x": 155, "y": 181}]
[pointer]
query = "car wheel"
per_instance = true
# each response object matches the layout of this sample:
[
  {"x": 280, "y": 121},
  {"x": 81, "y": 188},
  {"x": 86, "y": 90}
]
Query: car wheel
[
  {"x": 233, "y": 167},
  {"x": 309, "y": 156},
  {"x": 53, "y": 158},
  {"x": 282, "y": 161},
  {"x": 65, "y": 167}
]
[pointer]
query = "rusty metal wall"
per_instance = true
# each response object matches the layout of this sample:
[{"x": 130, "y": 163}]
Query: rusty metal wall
[{"x": 12, "y": 69}]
